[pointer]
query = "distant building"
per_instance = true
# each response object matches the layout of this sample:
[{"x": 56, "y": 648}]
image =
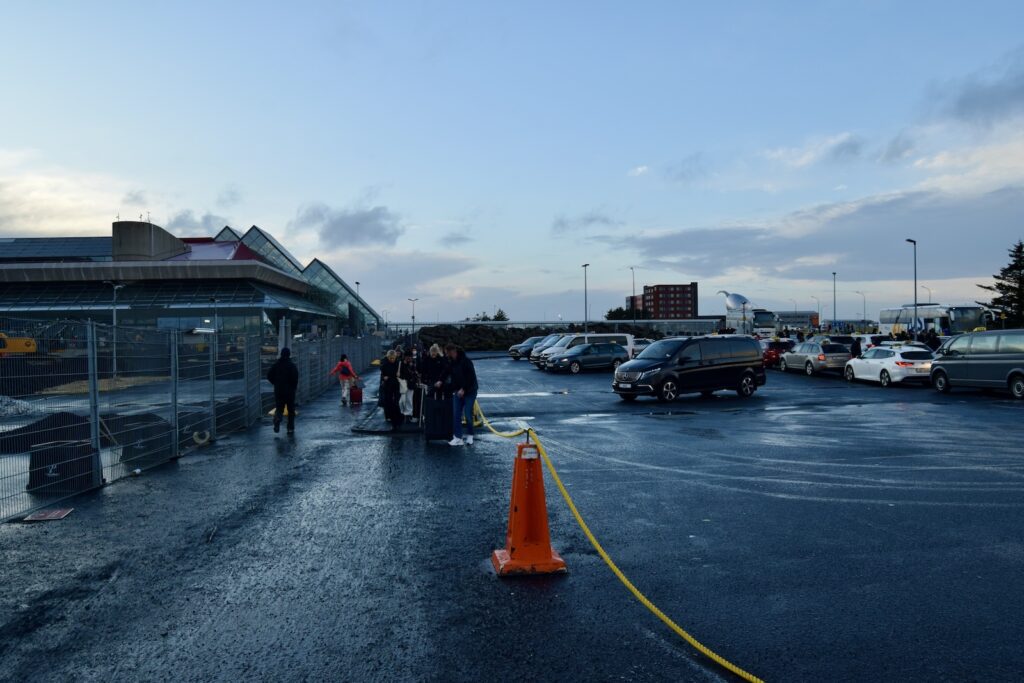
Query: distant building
[
  {"x": 670, "y": 302},
  {"x": 246, "y": 282},
  {"x": 635, "y": 301}
]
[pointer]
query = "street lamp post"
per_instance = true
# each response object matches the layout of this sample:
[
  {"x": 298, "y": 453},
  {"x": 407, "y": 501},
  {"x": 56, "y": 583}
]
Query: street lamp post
[
  {"x": 835, "y": 313},
  {"x": 586, "y": 307},
  {"x": 864, "y": 312},
  {"x": 913, "y": 326},
  {"x": 357, "y": 287},
  {"x": 413, "y": 302},
  {"x": 819, "y": 308},
  {"x": 632, "y": 300},
  {"x": 794, "y": 305},
  {"x": 113, "y": 315},
  {"x": 931, "y": 298}
]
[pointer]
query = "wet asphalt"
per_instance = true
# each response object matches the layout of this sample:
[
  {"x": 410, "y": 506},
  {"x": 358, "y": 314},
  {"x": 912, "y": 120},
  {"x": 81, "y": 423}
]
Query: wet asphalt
[{"x": 818, "y": 531}]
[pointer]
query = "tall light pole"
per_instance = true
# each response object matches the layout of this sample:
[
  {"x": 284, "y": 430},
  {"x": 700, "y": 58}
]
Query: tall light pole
[
  {"x": 357, "y": 287},
  {"x": 835, "y": 314},
  {"x": 864, "y": 313},
  {"x": 385, "y": 312},
  {"x": 586, "y": 307},
  {"x": 113, "y": 315},
  {"x": 413, "y": 302},
  {"x": 794, "y": 305},
  {"x": 913, "y": 326},
  {"x": 819, "y": 308},
  {"x": 632, "y": 301},
  {"x": 931, "y": 299}
]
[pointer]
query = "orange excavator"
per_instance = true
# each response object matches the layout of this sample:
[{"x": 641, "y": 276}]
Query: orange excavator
[{"x": 10, "y": 346}]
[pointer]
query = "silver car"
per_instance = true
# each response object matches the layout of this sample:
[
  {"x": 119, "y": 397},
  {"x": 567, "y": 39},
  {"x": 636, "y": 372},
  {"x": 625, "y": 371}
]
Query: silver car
[{"x": 812, "y": 357}]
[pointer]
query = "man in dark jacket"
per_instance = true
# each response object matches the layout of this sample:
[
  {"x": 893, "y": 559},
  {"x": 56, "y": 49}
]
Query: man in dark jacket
[
  {"x": 464, "y": 388},
  {"x": 285, "y": 377},
  {"x": 856, "y": 347}
]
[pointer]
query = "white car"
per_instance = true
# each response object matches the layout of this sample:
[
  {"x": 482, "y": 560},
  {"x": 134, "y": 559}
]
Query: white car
[{"x": 889, "y": 365}]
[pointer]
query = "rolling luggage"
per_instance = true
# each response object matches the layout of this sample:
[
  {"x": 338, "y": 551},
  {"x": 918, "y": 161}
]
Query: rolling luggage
[
  {"x": 355, "y": 395},
  {"x": 437, "y": 417}
]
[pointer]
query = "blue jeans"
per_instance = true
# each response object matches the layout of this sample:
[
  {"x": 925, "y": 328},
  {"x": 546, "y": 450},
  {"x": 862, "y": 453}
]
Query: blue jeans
[{"x": 462, "y": 406}]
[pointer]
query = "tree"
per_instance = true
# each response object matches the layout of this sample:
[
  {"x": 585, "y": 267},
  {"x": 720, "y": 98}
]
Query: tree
[
  {"x": 622, "y": 313},
  {"x": 501, "y": 316},
  {"x": 1009, "y": 288}
]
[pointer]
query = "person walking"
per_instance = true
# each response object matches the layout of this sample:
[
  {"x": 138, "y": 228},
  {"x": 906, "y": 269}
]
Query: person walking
[
  {"x": 346, "y": 377},
  {"x": 855, "y": 347},
  {"x": 434, "y": 370},
  {"x": 285, "y": 377},
  {"x": 389, "y": 390},
  {"x": 464, "y": 387},
  {"x": 932, "y": 340},
  {"x": 409, "y": 383}
]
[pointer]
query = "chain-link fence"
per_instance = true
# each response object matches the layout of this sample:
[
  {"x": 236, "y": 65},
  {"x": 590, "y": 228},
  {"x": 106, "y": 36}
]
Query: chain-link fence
[{"x": 82, "y": 404}]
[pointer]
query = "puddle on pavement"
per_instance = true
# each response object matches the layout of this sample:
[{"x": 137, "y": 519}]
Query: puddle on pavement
[{"x": 525, "y": 394}]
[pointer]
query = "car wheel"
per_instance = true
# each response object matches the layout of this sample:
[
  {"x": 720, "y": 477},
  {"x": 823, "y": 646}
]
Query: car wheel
[
  {"x": 941, "y": 383},
  {"x": 668, "y": 391},
  {"x": 615, "y": 365},
  {"x": 782, "y": 365},
  {"x": 747, "y": 386},
  {"x": 628, "y": 398},
  {"x": 885, "y": 379},
  {"x": 575, "y": 367},
  {"x": 1017, "y": 387},
  {"x": 850, "y": 374},
  {"x": 809, "y": 369}
]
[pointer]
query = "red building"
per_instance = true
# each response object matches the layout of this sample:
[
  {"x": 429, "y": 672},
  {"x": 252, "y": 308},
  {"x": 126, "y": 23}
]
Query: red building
[
  {"x": 637, "y": 301},
  {"x": 668, "y": 302}
]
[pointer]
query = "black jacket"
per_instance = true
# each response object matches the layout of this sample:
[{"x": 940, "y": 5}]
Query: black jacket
[
  {"x": 462, "y": 374},
  {"x": 434, "y": 370},
  {"x": 284, "y": 376},
  {"x": 389, "y": 369}
]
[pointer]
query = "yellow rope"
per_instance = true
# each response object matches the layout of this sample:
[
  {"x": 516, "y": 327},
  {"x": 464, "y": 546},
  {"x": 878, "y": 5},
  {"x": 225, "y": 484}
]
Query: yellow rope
[{"x": 676, "y": 628}]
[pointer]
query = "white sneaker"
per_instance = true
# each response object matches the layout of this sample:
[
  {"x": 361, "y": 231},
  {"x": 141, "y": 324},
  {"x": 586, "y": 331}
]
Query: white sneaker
[
  {"x": 456, "y": 442},
  {"x": 469, "y": 440}
]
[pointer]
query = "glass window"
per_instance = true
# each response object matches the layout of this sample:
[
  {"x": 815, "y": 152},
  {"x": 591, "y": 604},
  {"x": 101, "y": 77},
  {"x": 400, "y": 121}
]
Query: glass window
[
  {"x": 869, "y": 354},
  {"x": 884, "y": 353},
  {"x": 663, "y": 349},
  {"x": 712, "y": 348},
  {"x": 984, "y": 343},
  {"x": 915, "y": 355},
  {"x": 959, "y": 345},
  {"x": 1011, "y": 343},
  {"x": 691, "y": 353}
]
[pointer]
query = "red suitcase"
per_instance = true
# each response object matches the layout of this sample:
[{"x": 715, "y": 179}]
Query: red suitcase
[{"x": 355, "y": 395}]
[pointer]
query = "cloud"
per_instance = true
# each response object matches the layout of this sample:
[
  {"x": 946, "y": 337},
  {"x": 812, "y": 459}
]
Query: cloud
[
  {"x": 56, "y": 202},
  {"x": 134, "y": 198},
  {"x": 986, "y": 97},
  {"x": 897, "y": 149},
  {"x": 637, "y": 171},
  {"x": 229, "y": 197},
  {"x": 185, "y": 224},
  {"x": 352, "y": 227},
  {"x": 844, "y": 147},
  {"x": 566, "y": 224},
  {"x": 960, "y": 236},
  {"x": 456, "y": 237},
  {"x": 687, "y": 170}
]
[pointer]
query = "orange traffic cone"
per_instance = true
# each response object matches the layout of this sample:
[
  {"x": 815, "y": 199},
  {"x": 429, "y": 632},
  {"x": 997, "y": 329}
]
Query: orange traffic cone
[{"x": 528, "y": 541}]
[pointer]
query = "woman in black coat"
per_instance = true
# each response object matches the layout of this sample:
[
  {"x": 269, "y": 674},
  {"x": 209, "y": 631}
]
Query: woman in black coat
[
  {"x": 434, "y": 371},
  {"x": 389, "y": 391}
]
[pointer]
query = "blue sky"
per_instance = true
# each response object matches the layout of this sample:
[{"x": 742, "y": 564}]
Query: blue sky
[{"x": 475, "y": 154}]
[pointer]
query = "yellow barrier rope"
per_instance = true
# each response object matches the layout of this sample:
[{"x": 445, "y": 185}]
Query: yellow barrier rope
[{"x": 678, "y": 630}]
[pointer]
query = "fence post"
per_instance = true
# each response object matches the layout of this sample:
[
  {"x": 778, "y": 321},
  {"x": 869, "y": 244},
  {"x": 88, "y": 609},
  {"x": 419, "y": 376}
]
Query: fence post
[
  {"x": 245, "y": 381},
  {"x": 213, "y": 388},
  {"x": 175, "y": 445},
  {"x": 94, "y": 405}
]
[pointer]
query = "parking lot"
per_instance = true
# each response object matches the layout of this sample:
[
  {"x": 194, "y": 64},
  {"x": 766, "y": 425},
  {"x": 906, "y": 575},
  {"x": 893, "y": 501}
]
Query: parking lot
[{"x": 819, "y": 530}]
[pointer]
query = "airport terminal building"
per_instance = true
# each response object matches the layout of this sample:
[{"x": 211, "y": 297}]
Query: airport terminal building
[{"x": 242, "y": 283}]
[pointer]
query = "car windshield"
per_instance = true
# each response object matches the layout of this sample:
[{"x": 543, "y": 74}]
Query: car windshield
[
  {"x": 834, "y": 348},
  {"x": 916, "y": 355},
  {"x": 780, "y": 346},
  {"x": 561, "y": 343},
  {"x": 841, "y": 340},
  {"x": 661, "y": 350}
]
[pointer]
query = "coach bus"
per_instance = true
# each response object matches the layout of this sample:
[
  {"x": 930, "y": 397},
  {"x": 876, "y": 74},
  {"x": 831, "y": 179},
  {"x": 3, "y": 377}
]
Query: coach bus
[
  {"x": 945, "y": 320},
  {"x": 752, "y": 321}
]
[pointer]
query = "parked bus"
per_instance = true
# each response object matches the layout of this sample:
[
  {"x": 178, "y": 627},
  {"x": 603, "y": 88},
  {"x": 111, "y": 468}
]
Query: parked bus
[
  {"x": 752, "y": 321},
  {"x": 945, "y": 320}
]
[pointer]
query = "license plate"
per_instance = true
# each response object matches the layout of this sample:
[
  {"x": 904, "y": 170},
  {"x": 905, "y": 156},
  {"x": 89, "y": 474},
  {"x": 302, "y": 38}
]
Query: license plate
[
  {"x": 625, "y": 386},
  {"x": 923, "y": 370}
]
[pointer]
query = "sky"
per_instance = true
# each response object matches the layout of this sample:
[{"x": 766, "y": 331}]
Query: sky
[{"x": 475, "y": 155}]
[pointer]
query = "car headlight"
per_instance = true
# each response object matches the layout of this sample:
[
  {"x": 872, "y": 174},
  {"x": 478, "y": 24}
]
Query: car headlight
[{"x": 649, "y": 373}]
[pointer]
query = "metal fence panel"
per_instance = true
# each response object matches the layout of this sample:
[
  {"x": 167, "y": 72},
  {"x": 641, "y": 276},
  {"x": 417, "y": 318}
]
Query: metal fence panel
[{"x": 83, "y": 403}]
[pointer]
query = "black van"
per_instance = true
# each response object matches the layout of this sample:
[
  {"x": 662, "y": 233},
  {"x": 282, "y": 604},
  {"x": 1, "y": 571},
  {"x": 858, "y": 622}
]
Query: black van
[
  {"x": 985, "y": 360},
  {"x": 685, "y": 365}
]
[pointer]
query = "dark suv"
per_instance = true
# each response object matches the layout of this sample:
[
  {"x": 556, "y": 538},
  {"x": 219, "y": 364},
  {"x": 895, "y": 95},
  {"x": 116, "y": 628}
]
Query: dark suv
[
  {"x": 686, "y": 365},
  {"x": 589, "y": 357}
]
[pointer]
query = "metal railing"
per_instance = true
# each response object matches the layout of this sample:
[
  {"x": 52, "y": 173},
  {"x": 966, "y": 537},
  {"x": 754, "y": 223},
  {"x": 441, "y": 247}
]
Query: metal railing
[{"x": 83, "y": 404}]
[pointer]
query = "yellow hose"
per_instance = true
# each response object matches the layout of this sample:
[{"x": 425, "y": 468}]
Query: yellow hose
[{"x": 676, "y": 628}]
